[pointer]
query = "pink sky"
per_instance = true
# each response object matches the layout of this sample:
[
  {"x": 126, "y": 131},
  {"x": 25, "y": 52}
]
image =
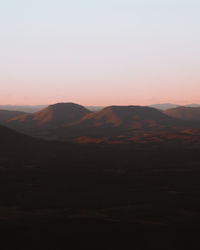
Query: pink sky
[{"x": 111, "y": 52}]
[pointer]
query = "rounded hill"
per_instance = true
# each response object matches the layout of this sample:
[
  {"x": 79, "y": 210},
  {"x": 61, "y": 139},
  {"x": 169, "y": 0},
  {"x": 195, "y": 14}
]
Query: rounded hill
[
  {"x": 132, "y": 117},
  {"x": 56, "y": 115}
]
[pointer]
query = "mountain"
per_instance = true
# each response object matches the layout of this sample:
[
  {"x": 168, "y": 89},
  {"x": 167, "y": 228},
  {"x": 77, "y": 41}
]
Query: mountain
[
  {"x": 193, "y": 105},
  {"x": 94, "y": 108},
  {"x": 164, "y": 106},
  {"x": 56, "y": 115},
  {"x": 7, "y": 114},
  {"x": 129, "y": 117},
  {"x": 117, "y": 121},
  {"x": 72, "y": 122},
  {"x": 185, "y": 113},
  {"x": 23, "y": 108}
]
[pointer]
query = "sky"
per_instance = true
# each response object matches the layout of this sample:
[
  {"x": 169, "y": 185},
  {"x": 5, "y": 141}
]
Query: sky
[{"x": 99, "y": 52}]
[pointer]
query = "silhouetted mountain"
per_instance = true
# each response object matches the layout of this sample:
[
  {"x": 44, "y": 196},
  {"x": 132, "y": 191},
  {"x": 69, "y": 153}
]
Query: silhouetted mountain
[
  {"x": 116, "y": 122},
  {"x": 194, "y": 105},
  {"x": 121, "y": 124},
  {"x": 129, "y": 117},
  {"x": 94, "y": 108},
  {"x": 185, "y": 113},
  {"x": 23, "y": 108},
  {"x": 164, "y": 106},
  {"x": 56, "y": 115},
  {"x": 7, "y": 114}
]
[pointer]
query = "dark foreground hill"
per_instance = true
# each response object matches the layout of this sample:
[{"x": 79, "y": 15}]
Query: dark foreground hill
[
  {"x": 56, "y": 115},
  {"x": 7, "y": 114},
  {"x": 68, "y": 196},
  {"x": 15, "y": 145},
  {"x": 185, "y": 113}
]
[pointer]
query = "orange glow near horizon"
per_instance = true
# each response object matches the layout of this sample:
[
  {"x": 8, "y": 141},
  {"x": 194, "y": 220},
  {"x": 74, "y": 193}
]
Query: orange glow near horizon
[
  {"x": 105, "y": 93},
  {"x": 140, "y": 52}
]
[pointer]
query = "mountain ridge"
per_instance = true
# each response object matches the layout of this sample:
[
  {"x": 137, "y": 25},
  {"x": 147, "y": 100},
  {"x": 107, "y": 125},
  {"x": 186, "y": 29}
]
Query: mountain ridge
[
  {"x": 54, "y": 115},
  {"x": 8, "y": 114},
  {"x": 69, "y": 121},
  {"x": 125, "y": 116},
  {"x": 185, "y": 113}
]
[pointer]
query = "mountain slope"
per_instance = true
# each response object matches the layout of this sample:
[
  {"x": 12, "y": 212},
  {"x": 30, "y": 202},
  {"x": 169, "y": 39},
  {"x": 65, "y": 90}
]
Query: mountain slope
[
  {"x": 193, "y": 105},
  {"x": 94, "y": 108},
  {"x": 117, "y": 121},
  {"x": 69, "y": 122},
  {"x": 185, "y": 113},
  {"x": 7, "y": 114},
  {"x": 130, "y": 117},
  {"x": 23, "y": 108},
  {"x": 164, "y": 106},
  {"x": 14, "y": 143},
  {"x": 56, "y": 115},
  {"x": 10, "y": 137}
]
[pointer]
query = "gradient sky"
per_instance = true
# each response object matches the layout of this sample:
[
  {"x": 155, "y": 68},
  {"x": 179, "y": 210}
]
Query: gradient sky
[{"x": 99, "y": 52}]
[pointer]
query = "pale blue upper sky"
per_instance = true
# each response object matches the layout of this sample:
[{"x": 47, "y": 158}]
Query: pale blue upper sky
[{"x": 99, "y": 52}]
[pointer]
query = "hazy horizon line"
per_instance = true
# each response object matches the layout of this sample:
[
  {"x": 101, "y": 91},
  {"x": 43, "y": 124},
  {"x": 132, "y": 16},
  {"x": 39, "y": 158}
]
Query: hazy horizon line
[{"x": 103, "y": 105}]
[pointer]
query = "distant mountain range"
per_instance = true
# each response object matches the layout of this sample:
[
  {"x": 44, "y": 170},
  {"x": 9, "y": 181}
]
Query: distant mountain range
[
  {"x": 36, "y": 108},
  {"x": 23, "y": 108},
  {"x": 74, "y": 115},
  {"x": 7, "y": 114},
  {"x": 165, "y": 106},
  {"x": 185, "y": 113},
  {"x": 94, "y": 108},
  {"x": 53, "y": 116},
  {"x": 126, "y": 117},
  {"x": 69, "y": 121}
]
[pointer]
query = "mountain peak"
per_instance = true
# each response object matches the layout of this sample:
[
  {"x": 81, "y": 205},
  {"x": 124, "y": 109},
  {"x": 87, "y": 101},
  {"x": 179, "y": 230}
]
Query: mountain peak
[
  {"x": 8, "y": 114},
  {"x": 131, "y": 117},
  {"x": 64, "y": 105},
  {"x": 55, "y": 115}
]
